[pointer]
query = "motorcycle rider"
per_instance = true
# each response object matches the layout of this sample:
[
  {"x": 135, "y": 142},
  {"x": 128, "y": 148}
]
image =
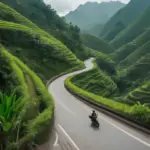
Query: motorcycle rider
[{"x": 94, "y": 115}]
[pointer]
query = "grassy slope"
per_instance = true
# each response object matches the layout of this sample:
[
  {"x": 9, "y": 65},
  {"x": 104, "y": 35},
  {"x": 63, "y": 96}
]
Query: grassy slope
[
  {"x": 133, "y": 30},
  {"x": 31, "y": 104},
  {"x": 33, "y": 45},
  {"x": 96, "y": 43},
  {"x": 123, "y": 18}
]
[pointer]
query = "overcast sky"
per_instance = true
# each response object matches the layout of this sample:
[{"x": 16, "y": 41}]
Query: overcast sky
[{"x": 65, "y": 6}]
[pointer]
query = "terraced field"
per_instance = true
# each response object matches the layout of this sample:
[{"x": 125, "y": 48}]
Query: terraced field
[
  {"x": 141, "y": 94},
  {"x": 95, "y": 81}
]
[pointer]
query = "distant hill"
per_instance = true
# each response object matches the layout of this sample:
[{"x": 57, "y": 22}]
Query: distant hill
[
  {"x": 94, "y": 30},
  {"x": 123, "y": 18},
  {"x": 96, "y": 43},
  {"x": 92, "y": 13}
]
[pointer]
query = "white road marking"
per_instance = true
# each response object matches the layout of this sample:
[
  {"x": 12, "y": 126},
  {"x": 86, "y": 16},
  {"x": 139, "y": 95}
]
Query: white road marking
[
  {"x": 66, "y": 108},
  {"x": 56, "y": 140},
  {"x": 68, "y": 137},
  {"x": 117, "y": 127}
]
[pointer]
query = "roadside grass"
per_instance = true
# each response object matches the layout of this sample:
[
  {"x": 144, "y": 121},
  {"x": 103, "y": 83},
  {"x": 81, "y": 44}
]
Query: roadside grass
[{"x": 137, "y": 112}]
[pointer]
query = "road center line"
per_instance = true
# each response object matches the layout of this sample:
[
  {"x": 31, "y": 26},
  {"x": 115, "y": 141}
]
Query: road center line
[
  {"x": 56, "y": 140},
  {"x": 117, "y": 127},
  {"x": 68, "y": 137}
]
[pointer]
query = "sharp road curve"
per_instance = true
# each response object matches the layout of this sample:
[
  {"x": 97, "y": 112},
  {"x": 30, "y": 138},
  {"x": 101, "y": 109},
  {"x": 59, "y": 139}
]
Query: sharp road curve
[{"x": 73, "y": 127}]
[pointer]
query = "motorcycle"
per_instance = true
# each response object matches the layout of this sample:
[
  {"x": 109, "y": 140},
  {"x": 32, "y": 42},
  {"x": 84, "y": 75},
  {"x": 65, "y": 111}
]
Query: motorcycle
[{"x": 95, "y": 122}]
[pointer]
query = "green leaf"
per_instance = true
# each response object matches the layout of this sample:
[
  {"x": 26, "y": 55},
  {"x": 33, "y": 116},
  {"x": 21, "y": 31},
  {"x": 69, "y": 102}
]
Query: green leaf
[{"x": 2, "y": 110}]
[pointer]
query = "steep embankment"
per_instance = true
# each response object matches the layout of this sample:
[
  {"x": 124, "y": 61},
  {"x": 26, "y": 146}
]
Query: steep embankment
[{"x": 140, "y": 25}]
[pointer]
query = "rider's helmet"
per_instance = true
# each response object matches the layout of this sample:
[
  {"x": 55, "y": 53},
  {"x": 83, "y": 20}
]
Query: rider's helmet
[{"x": 93, "y": 111}]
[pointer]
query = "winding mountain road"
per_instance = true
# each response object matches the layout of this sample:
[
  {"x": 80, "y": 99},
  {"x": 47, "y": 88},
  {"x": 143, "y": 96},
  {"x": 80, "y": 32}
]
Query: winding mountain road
[{"x": 73, "y": 130}]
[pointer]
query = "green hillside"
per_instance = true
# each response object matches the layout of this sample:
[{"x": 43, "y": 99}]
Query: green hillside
[
  {"x": 103, "y": 61},
  {"x": 96, "y": 43},
  {"x": 139, "y": 70},
  {"x": 128, "y": 52},
  {"x": 28, "y": 109},
  {"x": 136, "y": 55},
  {"x": 133, "y": 30},
  {"x": 92, "y": 13},
  {"x": 123, "y": 18},
  {"x": 47, "y": 19}
]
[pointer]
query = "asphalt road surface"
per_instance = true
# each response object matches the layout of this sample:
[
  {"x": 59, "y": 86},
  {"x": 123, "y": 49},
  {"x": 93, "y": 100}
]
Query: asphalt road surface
[{"x": 73, "y": 129}]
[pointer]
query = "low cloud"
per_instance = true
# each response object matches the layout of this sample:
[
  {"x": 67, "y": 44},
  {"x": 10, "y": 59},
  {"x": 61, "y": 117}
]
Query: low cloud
[{"x": 65, "y": 6}]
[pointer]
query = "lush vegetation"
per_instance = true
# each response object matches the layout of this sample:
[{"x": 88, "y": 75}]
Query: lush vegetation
[
  {"x": 96, "y": 43},
  {"x": 137, "y": 112},
  {"x": 34, "y": 46},
  {"x": 123, "y": 18},
  {"x": 93, "y": 13},
  {"x": 26, "y": 107}
]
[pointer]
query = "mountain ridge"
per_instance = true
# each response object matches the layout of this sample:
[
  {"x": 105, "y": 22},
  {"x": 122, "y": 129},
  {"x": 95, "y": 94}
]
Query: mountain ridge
[{"x": 97, "y": 15}]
